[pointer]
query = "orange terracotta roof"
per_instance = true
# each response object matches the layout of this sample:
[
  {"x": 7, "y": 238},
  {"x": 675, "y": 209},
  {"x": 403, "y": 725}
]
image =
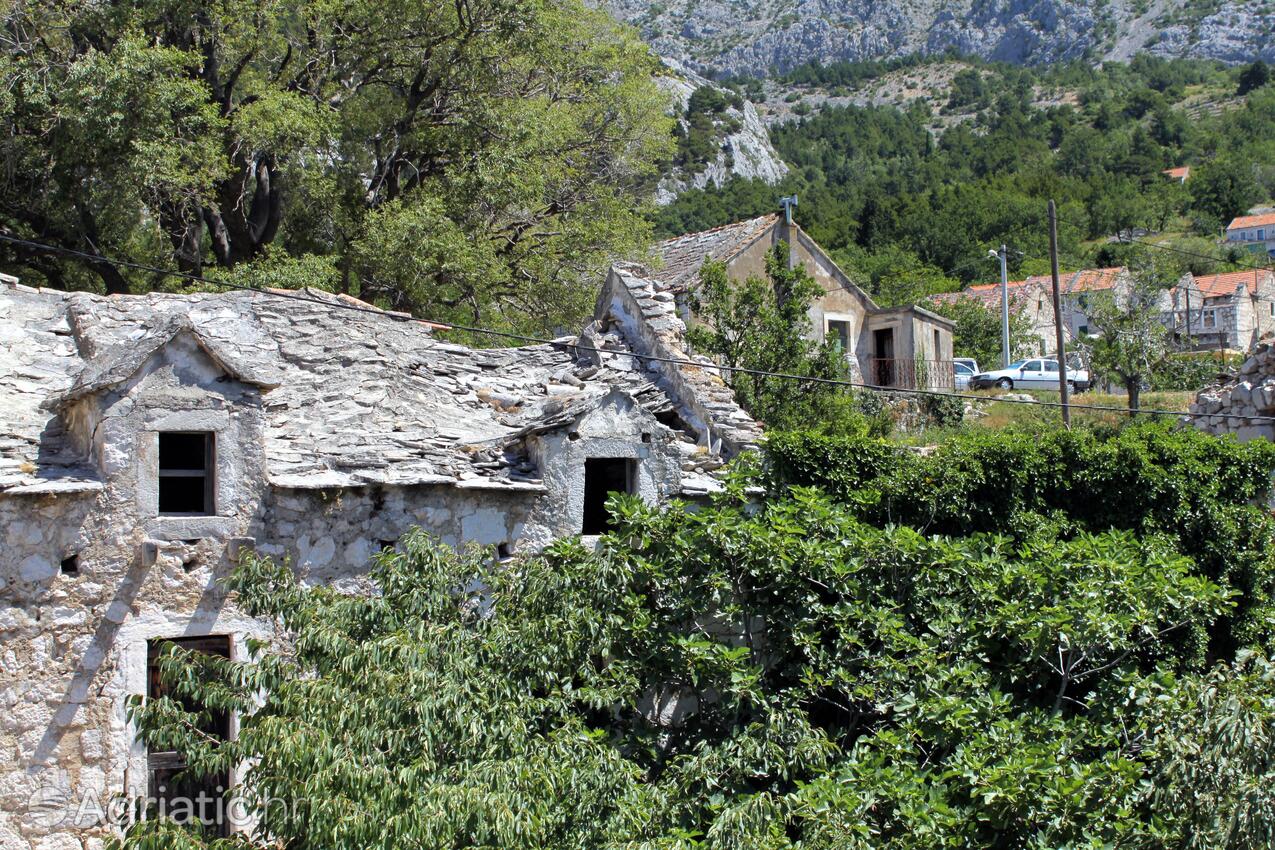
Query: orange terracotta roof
[
  {"x": 989, "y": 294},
  {"x": 1220, "y": 285},
  {"x": 1251, "y": 221},
  {"x": 1091, "y": 280},
  {"x": 1085, "y": 280},
  {"x": 1181, "y": 173}
]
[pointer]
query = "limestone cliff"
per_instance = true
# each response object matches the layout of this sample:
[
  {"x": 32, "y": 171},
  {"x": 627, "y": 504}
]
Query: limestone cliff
[
  {"x": 743, "y": 147},
  {"x": 754, "y": 36}
]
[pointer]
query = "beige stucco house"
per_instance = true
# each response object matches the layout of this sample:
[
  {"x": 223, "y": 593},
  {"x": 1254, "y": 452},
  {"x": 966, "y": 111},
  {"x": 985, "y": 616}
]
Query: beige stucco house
[{"x": 906, "y": 346}]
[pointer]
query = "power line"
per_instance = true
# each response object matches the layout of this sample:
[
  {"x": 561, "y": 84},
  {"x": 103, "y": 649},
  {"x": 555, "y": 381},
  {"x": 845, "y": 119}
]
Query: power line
[{"x": 650, "y": 358}]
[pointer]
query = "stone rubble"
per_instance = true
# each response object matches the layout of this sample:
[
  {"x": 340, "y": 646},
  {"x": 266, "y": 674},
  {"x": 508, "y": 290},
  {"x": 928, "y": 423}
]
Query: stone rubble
[{"x": 1232, "y": 407}]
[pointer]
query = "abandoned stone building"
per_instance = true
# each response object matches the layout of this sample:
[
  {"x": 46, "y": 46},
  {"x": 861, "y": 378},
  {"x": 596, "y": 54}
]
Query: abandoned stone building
[
  {"x": 905, "y": 346},
  {"x": 146, "y": 440}
]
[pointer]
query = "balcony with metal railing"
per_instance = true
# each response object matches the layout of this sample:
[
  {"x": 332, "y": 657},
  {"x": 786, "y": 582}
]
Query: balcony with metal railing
[{"x": 905, "y": 374}]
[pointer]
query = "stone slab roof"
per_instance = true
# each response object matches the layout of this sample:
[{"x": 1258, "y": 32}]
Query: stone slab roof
[
  {"x": 641, "y": 308},
  {"x": 351, "y": 398},
  {"x": 682, "y": 256}
]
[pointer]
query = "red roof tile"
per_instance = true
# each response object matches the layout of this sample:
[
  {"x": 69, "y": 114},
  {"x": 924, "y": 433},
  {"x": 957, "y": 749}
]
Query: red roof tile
[
  {"x": 1219, "y": 285},
  {"x": 1251, "y": 221},
  {"x": 1085, "y": 280}
]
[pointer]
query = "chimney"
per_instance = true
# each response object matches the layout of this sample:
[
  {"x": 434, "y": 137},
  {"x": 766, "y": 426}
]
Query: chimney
[{"x": 786, "y": 203}]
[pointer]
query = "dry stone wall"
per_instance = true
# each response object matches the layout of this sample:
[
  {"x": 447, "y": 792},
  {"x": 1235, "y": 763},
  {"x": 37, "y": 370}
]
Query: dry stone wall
[{"x": 1235, "y": 407}]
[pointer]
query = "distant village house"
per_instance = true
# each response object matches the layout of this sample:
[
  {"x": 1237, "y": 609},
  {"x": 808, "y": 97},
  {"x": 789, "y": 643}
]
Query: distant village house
[
  {"x": 1253, "y": 233},
  {"x": 1232, "y": 311},
  {"x": 905, "y": 346}
]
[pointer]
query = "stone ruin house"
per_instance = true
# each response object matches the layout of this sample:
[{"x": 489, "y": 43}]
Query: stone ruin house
[
  {"x": 145, "y": 441},
  {"x": 1232, "y": 311},
  {"x": 906, "y": 347}
]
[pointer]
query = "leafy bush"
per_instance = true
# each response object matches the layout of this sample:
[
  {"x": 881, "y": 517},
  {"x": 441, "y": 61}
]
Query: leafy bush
[
  {"x": 1190, "y": 371},
  {"x": 781, "y": 675},
  {"x": 1146, "y": 478}
]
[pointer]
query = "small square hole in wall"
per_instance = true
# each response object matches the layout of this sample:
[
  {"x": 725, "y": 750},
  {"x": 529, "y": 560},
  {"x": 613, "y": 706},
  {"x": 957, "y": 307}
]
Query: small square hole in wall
[
  {"x": 186, "y": 464},
  {"x": 71, "y": 565},
  {"x": 602, "y": 477}
]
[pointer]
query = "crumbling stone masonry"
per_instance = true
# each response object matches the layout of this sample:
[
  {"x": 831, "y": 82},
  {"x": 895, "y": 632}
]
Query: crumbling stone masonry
[
  {"x": 146, "y": 441},
  {"x": 1250, "y": 394}
]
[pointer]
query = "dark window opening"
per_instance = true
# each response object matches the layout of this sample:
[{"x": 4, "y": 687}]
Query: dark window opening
[
  {"x": 71, "y": 565},
  {"x": 186, "y": 474},
  {"x": 839, "y": 333},
  {"x": 938, "y": 346},
  {"x": 602, "y": 477},
  {"x": 182, "y": 797}
]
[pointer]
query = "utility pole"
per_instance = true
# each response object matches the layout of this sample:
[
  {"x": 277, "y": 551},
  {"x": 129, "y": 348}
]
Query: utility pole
[
  {"x": 1003, "y": 256},
  {"x": 1058, "y": 317}
]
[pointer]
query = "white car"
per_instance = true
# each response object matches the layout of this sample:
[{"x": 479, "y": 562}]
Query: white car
[
  {"x": 1036, "y": 374},
  {"x": 963, "y": 373}
]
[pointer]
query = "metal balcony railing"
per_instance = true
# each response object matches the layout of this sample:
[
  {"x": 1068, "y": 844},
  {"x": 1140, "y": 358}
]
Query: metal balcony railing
[{"x": 909, "y": 374}]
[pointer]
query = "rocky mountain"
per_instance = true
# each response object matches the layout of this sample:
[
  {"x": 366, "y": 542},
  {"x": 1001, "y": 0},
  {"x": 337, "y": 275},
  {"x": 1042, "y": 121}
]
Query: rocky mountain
[
  {"x": 738, "y": 143},
  {"x": 754, "y": 36}
]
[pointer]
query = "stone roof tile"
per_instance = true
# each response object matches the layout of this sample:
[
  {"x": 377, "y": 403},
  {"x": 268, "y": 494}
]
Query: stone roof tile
[{"x": 359, "y": 397}]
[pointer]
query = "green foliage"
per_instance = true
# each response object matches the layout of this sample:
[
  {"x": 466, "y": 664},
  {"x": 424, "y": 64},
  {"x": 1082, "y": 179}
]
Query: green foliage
[
  {"x": 1147, "y": 479},
  {"x": 1254, "y": 76},
  {"x": 1133, "y": 339},
  {"x": 473, "y": 161},
  {"x": 1191, "y": 370},
  {"x": 1215, "y": 781},
  {"x": 978, "y": 331},
  {"x": 1223, "y": 189},
  {"x": 968, "y": 91},
  {"x": 878, "y": 182},
  {"x": 893, "y": 274},
  {"x": 787, "y": 673},
  {"x": 764, "y": 324}
]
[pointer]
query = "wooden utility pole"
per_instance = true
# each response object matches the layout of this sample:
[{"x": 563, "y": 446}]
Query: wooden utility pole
[{"x": 1058, "y": 316}]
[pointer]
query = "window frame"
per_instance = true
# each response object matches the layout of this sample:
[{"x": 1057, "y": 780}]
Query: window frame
[
  {"x": 170, "y": 761},
  {"x": 208, "y": 473},
  {"x": 846, "y": 343}
]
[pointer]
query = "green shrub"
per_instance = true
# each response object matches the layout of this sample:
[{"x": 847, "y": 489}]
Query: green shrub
[
  {"x": 1206, "y": 493},
  {"x": 1190, "y": 371}
]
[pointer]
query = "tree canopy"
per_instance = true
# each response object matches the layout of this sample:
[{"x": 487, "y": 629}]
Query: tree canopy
[
  {"x": 763, "y": 324},
  {"x": 471, "y": 159},
  {"x": 1084, "y": 669}
]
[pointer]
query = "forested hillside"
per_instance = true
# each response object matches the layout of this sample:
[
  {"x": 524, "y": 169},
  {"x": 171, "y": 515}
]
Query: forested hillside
[{"x": 911, "y": 197}]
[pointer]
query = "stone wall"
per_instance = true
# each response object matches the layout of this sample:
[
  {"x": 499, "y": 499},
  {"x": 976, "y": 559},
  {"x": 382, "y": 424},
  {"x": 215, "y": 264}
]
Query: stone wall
[
  {"x": 1229, "y": 408},
  {"x": 74, "y": 640}
]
